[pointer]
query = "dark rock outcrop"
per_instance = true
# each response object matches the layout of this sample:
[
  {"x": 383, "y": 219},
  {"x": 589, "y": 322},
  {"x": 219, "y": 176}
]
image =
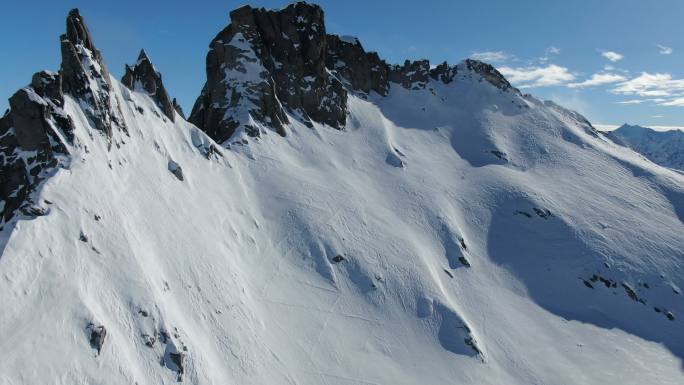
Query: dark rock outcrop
[
  {"x": 489, "y": 74},
  {"x": 34, "y": 134},
  {"x": 143, "y": 76},
  {"x": 363, "y": 71},
  {"x": 178, "y": 358},
  {"x": 178, "y": 108},
  {"x": 268, "y": 65},
  {"x": 264, "y": 64},
  {"x": 444, "y": 73},
  {"x": 412, "y": 75},
  {"x": 85, "y": 76},
  {"x": 98, "y": 333},
  {"x": 176, "y": 170}
]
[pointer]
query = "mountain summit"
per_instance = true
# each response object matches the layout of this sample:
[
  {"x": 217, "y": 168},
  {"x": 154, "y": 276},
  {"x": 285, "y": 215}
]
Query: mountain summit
[
  {"x": 325, "y": 217},
  {"x": 268, "y": 65}
]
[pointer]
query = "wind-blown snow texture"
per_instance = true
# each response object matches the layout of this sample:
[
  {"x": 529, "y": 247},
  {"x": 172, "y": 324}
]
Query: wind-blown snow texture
[
  {"x": 458, "y": 233},
  {"x": 665, "y": 148}
]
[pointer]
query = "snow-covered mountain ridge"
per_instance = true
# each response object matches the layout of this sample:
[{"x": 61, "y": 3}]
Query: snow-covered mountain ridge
[
  {"x": 665, "y": 148},
  {"x": 407, "y": 225}
]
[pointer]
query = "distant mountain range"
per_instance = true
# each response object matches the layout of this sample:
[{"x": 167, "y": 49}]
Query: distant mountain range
[{"x": 665, "y": 148}]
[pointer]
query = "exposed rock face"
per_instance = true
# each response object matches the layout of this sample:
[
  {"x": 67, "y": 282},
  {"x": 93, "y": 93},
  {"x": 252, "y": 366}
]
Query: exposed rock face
[
  {"x": 85, "y": 76},
  {"x": 488, "y": 73},
  {"x": 97, "y": 336},
  {"x": 176, "y": 170},
  {"x": 265, "y": 63},
  {"x": 412, "y": 75},
  {"x": 444, "y": 72},
  {"x": 34, "y": 135},
  {"x": 268, "y": 64},
  {"x": 144, "y": 77},
  {"x": 364, "y": 71},
  {"x": 35, "y": 132},
  {"x": 178, "y": 108}
]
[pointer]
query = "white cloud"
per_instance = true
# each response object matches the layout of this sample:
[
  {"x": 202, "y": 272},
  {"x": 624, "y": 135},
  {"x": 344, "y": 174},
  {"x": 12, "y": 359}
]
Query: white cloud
[
  {"x": 632, "y": 101},
  {"x": 677, "y": 102},
  {"x": 664, "y": 50},
  {"x": 526, "y": 77},
  {"x": 550, "y": 51},
  {"x": 490, "y": 56},
  {"x": 553, "y": 50},
  {"x": 651, "y": 85},
  {"x": 612, "y": 56},
  {"x": 657, "y": 88},
  {"x": 599, "y": 79}
]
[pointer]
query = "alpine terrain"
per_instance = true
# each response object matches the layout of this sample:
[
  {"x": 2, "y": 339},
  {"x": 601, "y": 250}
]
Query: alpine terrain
[
  {"x": 325, "y": 217},
  {"x": 665, "y": 148}
]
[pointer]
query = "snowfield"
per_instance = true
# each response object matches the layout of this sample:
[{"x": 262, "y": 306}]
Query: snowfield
[
  {"x": 457, "y": 234},
  {"x": 452, "y": 231}
]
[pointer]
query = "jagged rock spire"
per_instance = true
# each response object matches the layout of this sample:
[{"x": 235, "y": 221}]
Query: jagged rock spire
[
  {"x": 267, "y": 63},
  {"x": 178, "y": 108},
  {"x": 364, "y": 71},
  {"x": 143, "y": 76},
  {"x": 77, "y": 32},
  {"x": 85, "y": 75},
  {"x": 34, "y": 134}
]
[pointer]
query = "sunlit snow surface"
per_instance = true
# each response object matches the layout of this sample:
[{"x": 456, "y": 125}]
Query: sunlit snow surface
[{"x": 237, "y": 261}]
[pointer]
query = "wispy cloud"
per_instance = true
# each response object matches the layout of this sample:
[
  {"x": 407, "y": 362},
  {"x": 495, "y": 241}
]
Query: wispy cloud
[
  {"x": 612, "y": 56},
  {"x": 632, "y": 101},
  {"x": 658, "y": 88},
  {"x": 599, "y": 79},
  {"x": 651, "y": 85},
  {"x": 664, "y": 50},
  {"x": 553, "y": 50},
  {"x": 491, "y": 56},
  {"x": 550, "y": 51},
  {"x": 677, "y": 102},
  {"x": 527, "y": 77}
]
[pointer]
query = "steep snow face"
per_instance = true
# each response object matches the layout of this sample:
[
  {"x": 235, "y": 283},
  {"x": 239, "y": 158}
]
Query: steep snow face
[
  {"x": 664, "y": 148},
  {"x": 453, "y": 234}
]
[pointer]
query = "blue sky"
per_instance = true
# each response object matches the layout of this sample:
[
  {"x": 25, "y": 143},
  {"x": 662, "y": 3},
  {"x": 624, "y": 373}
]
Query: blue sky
[{"x": 614, "y": 61}]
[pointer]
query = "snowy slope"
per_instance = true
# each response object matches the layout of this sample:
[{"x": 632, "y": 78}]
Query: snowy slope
[
  {"x": 453, "y": 234},
  {"x": 665, "y": 148}
]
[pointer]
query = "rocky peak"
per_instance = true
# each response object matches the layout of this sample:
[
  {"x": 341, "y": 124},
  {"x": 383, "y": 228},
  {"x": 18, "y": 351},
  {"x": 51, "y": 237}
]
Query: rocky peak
[
  {"x": 48, "y": 84},
  {"x": 363, "y": 71},
  {"x": 412, "y": 75},
  {"x": 34, "y": 134},
  {"x": 143, "y": 76},
  {"x": 444, "y": 72},
  {"x": 489, "y": 73},
  {"x": 85, "y": 76},
  {"x": 78, "y": 34},
  {"x": 178, "y": 108},
  {"x": 267, "y": 63}
]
